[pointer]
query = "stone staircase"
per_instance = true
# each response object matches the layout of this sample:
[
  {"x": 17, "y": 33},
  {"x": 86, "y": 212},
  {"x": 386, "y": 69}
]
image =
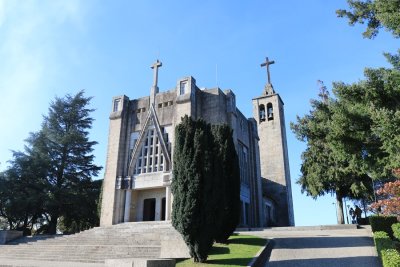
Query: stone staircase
[{"x": 94, "y": 246}]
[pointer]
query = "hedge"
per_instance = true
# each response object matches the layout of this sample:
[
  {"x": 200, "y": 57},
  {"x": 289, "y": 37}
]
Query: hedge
[
  {"x": 382, "y": 241},
  {"x": 390, "y": 258},
  {"x": 383, "y": 223},
  {"x": 384, "y": 245},
  {"x": 396, "y": 231}
]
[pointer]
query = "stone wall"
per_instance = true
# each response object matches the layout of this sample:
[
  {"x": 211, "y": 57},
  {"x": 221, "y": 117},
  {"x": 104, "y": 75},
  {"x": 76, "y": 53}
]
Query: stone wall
[{"x": 8, "y": 235}]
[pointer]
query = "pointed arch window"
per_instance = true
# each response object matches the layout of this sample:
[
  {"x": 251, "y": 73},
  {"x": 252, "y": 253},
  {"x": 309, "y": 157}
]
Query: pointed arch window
[{"x": 151, "y": 158}]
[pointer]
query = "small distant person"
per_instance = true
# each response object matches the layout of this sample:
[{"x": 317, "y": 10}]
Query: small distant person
[
  {"x": 352, "y": 215},
  {"x": 358, "y": 212}
]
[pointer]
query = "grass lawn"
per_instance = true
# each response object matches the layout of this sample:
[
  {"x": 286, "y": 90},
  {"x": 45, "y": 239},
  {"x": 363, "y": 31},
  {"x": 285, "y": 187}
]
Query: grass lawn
[{"x": 239, "y": 252}]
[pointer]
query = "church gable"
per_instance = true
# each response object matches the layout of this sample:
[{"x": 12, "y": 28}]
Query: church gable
[{"x": 150, "y": 151}]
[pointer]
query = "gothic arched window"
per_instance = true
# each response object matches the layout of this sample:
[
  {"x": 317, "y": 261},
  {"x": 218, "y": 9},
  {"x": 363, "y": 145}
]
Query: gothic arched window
[
  {"x": 270, "y": 112},
  {"x": 261, "y": 111}
]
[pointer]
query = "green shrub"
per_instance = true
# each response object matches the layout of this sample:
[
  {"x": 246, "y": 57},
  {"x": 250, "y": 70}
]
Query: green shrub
[
  {"x": 383, "y": 223},
  {"x": 396, "y": 230},
  {"x": 390, "y": 258},
  {"x": 382, "y": 241}
]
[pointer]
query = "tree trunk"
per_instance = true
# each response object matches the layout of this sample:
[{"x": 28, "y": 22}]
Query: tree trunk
[
  {"x": 365, "y": 208},
  {"x": 339, "y": 209},
  {"x": 53, "y": 225}
]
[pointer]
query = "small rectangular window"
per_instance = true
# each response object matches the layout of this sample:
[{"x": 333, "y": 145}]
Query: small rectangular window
[
  {"x": 160, "y": 105},
  {"x": 182, "y": 89},
  {"x": 116, "y": 105},
  {"x": 170, "y": 103}
]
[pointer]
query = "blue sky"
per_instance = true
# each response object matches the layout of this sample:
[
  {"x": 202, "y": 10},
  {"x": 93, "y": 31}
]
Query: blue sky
[{"x": 52, "y": 48}]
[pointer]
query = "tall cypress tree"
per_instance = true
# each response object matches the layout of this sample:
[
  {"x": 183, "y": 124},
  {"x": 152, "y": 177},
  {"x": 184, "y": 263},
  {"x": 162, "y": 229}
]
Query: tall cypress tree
[
  {"x": 227, "y": 183},
  {"x": 206, "y": 185},
  {"x": 191, "y": 186}
]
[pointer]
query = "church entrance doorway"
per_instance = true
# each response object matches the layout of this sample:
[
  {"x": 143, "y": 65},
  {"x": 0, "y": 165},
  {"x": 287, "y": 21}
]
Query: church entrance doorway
[
  {"x": 149, "y": 209},
  {"x": 163, "y": 209}
]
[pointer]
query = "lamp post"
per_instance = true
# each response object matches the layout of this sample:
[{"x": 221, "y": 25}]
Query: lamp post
[
  {"x": 333, "y": 203},
  {"x": 373, "y": 189}
]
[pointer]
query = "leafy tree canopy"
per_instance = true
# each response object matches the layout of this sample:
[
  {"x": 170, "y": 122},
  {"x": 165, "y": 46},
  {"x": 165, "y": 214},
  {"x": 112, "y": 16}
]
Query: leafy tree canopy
[
  {"x": 376, "y": 13},
  {"x": 351, "y": 138},
  {"x": 51, "y": 179},
  {"x": 390, "y": 203}
]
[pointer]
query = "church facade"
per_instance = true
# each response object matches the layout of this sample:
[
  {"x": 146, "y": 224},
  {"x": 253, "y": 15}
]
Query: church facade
[{"x": 139, "y": 165}]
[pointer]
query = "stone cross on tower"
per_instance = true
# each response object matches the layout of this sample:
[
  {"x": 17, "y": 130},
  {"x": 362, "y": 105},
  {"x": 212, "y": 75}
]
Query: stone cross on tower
[
  {"x": 154, "y": 88},
  {"x": 155, "y": 67},
  {"x": 266, "y": 64},
  {"x": 268, "y": 87}
]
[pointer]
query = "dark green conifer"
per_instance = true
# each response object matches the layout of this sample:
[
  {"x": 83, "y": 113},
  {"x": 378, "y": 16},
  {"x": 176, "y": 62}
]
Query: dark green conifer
[
  {"x": 206, "y": 185},
  {"x": 227, "y": 183},
  {"x": 191, "y": 186}
]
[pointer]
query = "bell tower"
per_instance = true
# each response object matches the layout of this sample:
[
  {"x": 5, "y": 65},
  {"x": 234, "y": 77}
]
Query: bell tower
[{"x": 268, "y": 111}]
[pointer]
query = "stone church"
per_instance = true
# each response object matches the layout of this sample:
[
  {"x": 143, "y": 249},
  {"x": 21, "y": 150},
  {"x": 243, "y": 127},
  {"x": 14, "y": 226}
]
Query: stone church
[{"x": 139, "y": 163}]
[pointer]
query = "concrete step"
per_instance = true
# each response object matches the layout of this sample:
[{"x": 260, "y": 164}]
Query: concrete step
[
  {"x": 82, "y": 257},
  {"x": 94, "y": 246},
  {"x": 92, "y": 241},
  {"x": 43, "y": 263},
  {"x": 85, "y": 256}
]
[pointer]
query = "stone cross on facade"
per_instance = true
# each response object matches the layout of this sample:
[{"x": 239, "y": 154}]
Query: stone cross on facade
[
  {"x": 266, "y": 64},
  {"x": 155, "y": 67}
]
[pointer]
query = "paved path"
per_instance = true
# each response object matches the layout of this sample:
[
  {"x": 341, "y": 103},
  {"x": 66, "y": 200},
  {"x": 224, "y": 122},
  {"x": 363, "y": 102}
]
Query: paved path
[{"x": 326, "y": 248}]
